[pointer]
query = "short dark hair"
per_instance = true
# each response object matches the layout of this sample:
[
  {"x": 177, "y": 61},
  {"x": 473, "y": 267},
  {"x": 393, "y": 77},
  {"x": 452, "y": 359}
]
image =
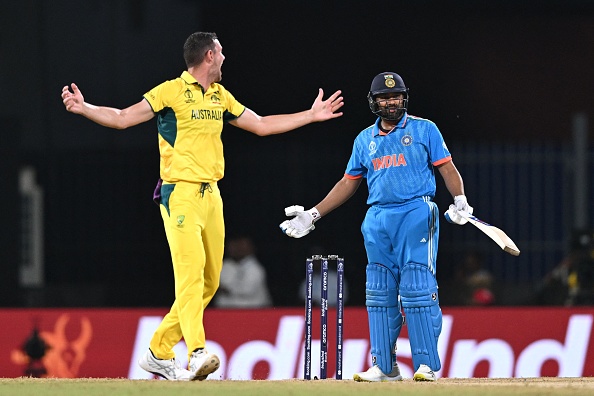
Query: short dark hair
[{"x": 196, "y": 47}]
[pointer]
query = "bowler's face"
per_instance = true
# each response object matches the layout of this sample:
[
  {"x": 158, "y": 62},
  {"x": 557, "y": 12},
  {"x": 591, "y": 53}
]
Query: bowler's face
[{"x": 218, "y": 60}]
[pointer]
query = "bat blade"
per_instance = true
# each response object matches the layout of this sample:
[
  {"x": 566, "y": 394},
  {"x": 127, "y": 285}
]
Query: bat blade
[{"x": 494, "y": 233}]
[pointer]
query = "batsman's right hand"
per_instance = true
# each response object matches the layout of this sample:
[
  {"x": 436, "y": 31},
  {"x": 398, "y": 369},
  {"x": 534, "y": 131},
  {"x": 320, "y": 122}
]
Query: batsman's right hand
[
  {"x": 303, "y": 222},
  {"x": 460, "y": 205}
]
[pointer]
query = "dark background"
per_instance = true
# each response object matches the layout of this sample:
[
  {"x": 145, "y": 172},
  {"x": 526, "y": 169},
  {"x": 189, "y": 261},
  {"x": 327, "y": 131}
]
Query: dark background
[{"x": 484, "y": 71}]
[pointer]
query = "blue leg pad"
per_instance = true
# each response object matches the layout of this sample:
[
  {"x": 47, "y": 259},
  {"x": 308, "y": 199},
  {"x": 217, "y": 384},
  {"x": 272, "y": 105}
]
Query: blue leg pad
[
  {"x": 383, "y": 312},
  {"x": 418, "y": 294}
]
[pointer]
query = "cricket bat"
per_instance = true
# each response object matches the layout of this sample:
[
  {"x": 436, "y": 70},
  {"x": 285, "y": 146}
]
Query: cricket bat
[{"x": 494, "y": 233}]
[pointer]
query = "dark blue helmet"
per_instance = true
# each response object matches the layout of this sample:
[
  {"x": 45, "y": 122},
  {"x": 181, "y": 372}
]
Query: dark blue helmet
[{"x": 386, "y": 83}]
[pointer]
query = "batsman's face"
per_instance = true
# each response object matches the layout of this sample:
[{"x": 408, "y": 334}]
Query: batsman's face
[
  {"x": 385, "y": 100},
  {"x": 390, "y": 102}
]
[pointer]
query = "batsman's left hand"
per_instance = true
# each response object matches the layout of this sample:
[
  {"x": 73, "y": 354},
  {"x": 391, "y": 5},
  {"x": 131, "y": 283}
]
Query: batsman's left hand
[
  {"x": 303, "y": 222},
  {"x": 460, "y": 204}
]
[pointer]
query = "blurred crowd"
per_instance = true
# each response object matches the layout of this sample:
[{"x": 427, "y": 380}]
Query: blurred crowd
[
  {"x": 571, "y": 282},
  {"x": 244, "y": 282}
]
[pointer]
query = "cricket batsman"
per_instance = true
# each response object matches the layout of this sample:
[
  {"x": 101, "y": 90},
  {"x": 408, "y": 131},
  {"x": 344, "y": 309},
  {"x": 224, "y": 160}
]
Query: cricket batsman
[{"x": 397, "y": 156}]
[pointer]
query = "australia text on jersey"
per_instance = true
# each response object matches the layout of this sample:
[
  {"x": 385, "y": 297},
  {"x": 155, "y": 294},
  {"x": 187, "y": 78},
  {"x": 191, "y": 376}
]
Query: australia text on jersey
[{"x": 205, "y": 114}]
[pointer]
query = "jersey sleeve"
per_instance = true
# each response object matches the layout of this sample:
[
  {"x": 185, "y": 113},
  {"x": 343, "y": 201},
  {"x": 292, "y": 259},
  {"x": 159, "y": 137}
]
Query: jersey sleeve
[
  {"x": 233, "y": 109},
  {"x": 438, "y": 150},
  {"x": 355, "y": 168},
  {"x": 157, "y": 97}
]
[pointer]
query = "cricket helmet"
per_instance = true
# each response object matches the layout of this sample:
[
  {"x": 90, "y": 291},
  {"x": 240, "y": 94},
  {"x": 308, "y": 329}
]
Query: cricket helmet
[{"x": 386, "y": 83}]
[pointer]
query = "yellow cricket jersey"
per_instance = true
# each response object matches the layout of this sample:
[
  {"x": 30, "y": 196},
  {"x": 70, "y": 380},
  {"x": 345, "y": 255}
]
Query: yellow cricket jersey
[{"x": 190, "y": 122}]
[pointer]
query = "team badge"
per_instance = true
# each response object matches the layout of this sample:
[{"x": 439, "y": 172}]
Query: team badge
[
  {"x": 406, "y": 140},
  {"x": 372, "y": 148},
  {"x": 180, "y": 219},
  {"x": 390, "y": 83}
]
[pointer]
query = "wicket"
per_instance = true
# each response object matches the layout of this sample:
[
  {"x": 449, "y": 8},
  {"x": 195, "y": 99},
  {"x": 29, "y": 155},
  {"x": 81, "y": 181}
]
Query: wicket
[{"x": 309, "y": 263}]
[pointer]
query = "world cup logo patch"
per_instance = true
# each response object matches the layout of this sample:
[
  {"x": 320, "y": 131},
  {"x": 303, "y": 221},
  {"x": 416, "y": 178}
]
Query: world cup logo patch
[
  {"x": 189, "y": 96},
  {"x": 406, "y": 140}
]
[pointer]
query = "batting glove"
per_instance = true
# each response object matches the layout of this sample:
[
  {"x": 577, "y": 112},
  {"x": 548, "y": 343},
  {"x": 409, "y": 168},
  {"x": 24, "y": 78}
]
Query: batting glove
[
  {"x": 460, "y": 205},
  {"x": 303, "y": 222}
]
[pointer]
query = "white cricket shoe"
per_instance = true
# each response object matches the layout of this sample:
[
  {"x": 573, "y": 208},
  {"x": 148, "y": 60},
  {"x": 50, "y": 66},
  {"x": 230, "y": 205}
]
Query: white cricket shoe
[
  {"x": 168, "y": 369},
  {"x": 375, "y": 374},
  {"x": 203, "y": 363},
  {"x": 424, "y": 373}
]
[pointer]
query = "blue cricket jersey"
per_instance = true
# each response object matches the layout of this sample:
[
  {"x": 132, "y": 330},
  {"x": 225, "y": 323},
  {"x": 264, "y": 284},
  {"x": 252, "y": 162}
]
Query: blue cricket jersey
[{"x": 399, "y": 165}]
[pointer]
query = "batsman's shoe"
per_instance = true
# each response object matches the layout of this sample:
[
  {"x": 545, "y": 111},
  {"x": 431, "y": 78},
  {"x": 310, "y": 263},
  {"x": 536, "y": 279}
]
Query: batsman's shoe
[
  {"x": 424, "y": 373},
  {"x": 203, "y": 363},
  {"x": 375, "y": 374},
  {"x": 168, "y": 369}
]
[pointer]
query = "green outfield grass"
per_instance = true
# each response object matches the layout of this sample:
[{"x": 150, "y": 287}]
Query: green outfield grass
[{"x": 453, "y": 387}]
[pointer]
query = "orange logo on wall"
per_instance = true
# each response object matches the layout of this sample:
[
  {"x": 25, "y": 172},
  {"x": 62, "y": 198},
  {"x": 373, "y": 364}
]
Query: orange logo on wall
[{"x": 63, "y": 357}]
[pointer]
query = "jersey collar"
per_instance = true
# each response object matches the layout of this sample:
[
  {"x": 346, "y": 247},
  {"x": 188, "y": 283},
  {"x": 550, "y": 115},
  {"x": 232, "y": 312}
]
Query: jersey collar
[
  {"x": 378, "y": 132},
  {"x": 189, "y": 79}
]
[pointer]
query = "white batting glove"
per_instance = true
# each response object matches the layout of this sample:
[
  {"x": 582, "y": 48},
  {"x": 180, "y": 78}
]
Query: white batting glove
[
  {"x": 460, "y": 204},
  {"x": 303, "y": 222}
]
